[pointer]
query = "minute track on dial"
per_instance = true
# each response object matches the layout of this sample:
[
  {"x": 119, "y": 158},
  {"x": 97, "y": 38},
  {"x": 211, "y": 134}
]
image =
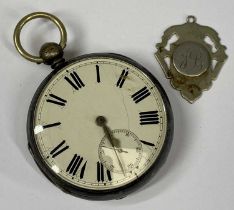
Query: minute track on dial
[{"x": 125, "y": 106}]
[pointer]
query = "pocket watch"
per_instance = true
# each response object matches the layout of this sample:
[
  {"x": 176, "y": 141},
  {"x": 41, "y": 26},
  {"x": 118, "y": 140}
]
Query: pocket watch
[{"x": 100, "y": 125}]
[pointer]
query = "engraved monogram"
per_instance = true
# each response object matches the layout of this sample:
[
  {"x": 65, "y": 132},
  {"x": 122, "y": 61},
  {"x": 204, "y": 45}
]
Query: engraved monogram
[{"x": 191, "y": 59}]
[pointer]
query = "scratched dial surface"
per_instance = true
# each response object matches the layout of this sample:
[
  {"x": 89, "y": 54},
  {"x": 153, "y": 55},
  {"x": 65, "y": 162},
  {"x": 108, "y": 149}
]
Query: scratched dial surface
[{"x": 75, "y": 148}]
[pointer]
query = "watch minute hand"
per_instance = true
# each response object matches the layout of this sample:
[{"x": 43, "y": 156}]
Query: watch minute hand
[{"x": 101, "y": 121}]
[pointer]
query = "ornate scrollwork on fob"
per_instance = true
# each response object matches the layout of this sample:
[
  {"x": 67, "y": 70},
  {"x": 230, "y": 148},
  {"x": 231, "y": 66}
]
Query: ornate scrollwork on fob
[{"x": 191, "y": 56}]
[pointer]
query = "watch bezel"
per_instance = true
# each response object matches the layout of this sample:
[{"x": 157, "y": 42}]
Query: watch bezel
[{"x": 116, "y": 193}]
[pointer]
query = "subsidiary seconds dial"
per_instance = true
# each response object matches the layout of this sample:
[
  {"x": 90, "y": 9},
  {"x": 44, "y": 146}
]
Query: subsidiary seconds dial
[
  {"x": 99, "y": 126},
  {"x": 127, "y": 144}
]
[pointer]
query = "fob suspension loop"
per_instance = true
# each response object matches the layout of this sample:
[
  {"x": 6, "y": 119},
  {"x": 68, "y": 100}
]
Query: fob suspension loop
[{"x": 49, "y": 52}]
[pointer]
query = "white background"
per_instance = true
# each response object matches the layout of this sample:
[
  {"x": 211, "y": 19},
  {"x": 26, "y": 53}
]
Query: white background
[{"x": 199, "y": 172}]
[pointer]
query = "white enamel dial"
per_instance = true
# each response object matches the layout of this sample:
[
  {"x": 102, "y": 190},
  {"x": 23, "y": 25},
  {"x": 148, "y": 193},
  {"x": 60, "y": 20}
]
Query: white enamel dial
[{"x": 88, "y": 155}]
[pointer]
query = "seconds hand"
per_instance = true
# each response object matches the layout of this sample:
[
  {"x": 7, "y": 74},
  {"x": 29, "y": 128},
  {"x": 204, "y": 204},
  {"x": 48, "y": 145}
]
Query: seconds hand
[
  {"x": 120, "y": 150},
  {"x": 101, "y": 121}
]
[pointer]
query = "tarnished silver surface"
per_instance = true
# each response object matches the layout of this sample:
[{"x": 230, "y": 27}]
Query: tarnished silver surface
[{"x": 193, "y": 60}]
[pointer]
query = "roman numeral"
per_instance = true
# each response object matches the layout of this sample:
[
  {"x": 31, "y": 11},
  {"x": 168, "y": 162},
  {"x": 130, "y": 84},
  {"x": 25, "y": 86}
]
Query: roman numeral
[
  {"x": 140, "y": 95},
  {"x": 56, "y": 100},
  {"x": 147, "y": 143},
  {"x": 122, "y": 78},
  {"x": 98, "y": 74},
  {"x": 51, "y": 125},
  {"x": 150, "y": 117},
  {"x": 75, "y": 164},
  {"x": 100, "y": 173},
  {"x": 59, "y": 149},
  {"x": 75, "y": 81}
]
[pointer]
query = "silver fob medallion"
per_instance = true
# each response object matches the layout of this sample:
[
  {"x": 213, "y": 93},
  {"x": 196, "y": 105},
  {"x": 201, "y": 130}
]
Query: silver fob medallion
[{"x": 193, "y": 60}]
